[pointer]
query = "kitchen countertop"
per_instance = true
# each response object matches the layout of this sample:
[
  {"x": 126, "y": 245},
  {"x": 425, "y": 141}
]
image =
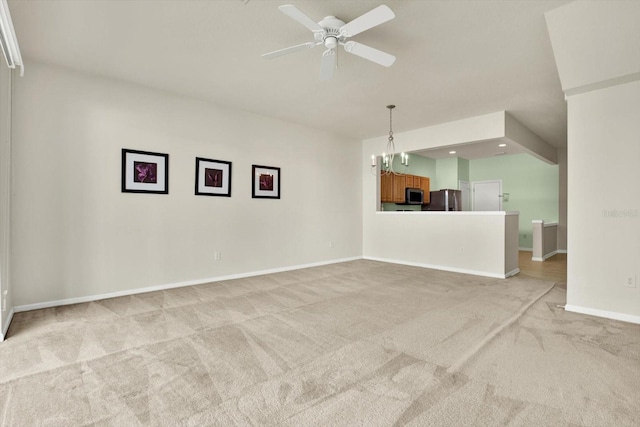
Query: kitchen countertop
[{"x": 502, "y": 213}]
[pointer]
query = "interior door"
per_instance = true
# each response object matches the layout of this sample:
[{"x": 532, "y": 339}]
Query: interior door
[
  {"x": 487, "y": 195},
  {"x": 465, "y": 194}
]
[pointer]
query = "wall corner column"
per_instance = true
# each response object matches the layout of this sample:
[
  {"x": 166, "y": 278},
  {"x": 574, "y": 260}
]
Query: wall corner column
[{"x": 6, "y": 307}]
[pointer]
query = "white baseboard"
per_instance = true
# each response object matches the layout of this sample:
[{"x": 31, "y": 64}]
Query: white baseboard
[
  {"x": 512, "y": 272},
  {"x": 5, "y": 328},
  {"x": 89, "y": 298},
  {"x": 444, "y": 268},
  {"x": 526, "y": 249},
  {"x": 547, "y": 256},
  {"x": 603, "y": 313},
  {"x": 562, "y": 251}
]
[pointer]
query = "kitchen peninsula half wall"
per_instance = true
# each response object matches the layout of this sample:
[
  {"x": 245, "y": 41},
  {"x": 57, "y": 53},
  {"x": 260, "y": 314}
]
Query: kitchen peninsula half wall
[
  {"x": 475, "y": 242},
  {"x": 480, "y": 243}
]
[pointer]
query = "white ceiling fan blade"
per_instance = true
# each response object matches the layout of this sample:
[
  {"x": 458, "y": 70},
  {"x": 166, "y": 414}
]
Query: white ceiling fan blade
[
  {"x": 286, "y": 50},
  {"x": 293, "y": 12},
  {"x": 328, "y": 64},
  {"x": 377, "y": 16},
  {"x": 367, "y": 52}
]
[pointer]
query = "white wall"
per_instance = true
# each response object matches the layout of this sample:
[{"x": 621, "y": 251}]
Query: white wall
[
  {"x": 75, "y": 234},
  {"x": 604, "y": 201},
  {"x": 595, "y": 43},
  {"x": 479, "y": 128},
  {"x": 5, "y": 198},
  {"x": 481, "y": 243},
  {"x": 596, "y": 47}
]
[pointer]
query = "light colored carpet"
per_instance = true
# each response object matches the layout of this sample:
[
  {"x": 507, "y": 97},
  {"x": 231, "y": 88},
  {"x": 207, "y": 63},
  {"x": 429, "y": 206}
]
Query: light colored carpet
[{"x": 357, "y": 343}]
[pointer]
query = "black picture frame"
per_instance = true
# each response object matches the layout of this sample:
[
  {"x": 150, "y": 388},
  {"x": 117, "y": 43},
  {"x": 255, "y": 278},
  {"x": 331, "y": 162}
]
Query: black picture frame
[
  {"x": 145, "y": 172},
  {"x": 213, "y": 177},
  {"x": 265, "y": 182}
]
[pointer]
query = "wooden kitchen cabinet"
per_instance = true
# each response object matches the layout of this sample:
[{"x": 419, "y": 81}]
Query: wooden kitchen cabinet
[
  {"x": 386, "y": 188},
  {"x": 399, "y": 184},
  {"x": 425, "y": 186},
  {"x": 392, "y": 187}
]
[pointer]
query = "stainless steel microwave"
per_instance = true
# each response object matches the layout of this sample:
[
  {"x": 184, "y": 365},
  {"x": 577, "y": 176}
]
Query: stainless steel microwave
[{"x": 414, "y": 196}]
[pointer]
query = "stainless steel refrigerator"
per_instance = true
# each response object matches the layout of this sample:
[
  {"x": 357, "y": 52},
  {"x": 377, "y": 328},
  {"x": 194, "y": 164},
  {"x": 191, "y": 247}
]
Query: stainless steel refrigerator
[{"x": 444, "y": 200}]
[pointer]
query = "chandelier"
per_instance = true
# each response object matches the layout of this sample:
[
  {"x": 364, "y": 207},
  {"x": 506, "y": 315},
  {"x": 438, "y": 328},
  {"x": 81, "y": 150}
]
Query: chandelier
[{"x": 386, "y": 165}]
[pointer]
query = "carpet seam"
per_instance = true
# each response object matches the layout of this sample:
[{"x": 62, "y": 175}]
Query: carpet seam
[{"x": 467, "y": 357}]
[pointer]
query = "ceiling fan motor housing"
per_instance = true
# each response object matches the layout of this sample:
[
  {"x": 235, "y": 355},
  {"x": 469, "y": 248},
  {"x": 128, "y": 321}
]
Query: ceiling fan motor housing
[{"x": 331, "y": 35}]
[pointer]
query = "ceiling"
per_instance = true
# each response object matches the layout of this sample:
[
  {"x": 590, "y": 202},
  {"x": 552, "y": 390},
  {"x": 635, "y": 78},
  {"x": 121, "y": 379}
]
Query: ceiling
[
  {"x": 475, "y": 150},
  {"x": 455, "y": 59}
]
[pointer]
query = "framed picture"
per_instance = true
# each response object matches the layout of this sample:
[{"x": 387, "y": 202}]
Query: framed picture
[
  {"x": 213, "y": 177},
  {"x": 265, "y": 182},
  {"x": 145, "y": 172}
]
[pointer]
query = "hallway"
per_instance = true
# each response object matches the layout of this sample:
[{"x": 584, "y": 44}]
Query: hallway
[{"x": 553, "y": 269}]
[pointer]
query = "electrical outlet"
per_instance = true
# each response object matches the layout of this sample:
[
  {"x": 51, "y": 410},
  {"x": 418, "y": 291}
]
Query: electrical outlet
[
  {"x": 217, "y": 256},
  {"x": 461, "y": 250},
  {"x": 330, "y": 244},
  {"x": 630, "y": 281}
]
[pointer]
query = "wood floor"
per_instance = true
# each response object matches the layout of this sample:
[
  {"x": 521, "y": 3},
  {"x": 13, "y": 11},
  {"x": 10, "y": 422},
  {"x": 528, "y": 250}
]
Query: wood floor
[{"x": 553, "y": 269}]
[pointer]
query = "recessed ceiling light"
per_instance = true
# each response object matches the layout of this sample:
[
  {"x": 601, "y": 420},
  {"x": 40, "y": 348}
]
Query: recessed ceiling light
[
  {"x": 452, "y": 152},
  {"x": 502, "y": 145}
]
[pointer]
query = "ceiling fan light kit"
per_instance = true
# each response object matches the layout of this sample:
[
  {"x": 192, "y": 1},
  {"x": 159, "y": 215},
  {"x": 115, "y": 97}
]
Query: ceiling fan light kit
[{"x": 332, "y": 32}]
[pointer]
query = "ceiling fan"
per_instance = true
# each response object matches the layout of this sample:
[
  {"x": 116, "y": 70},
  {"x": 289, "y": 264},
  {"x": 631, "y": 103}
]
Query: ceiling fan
[{"x": 332, "y": 32}]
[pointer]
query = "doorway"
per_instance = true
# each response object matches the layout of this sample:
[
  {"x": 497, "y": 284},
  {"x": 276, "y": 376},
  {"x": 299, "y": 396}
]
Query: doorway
[{"x": 487, "y": 195}]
